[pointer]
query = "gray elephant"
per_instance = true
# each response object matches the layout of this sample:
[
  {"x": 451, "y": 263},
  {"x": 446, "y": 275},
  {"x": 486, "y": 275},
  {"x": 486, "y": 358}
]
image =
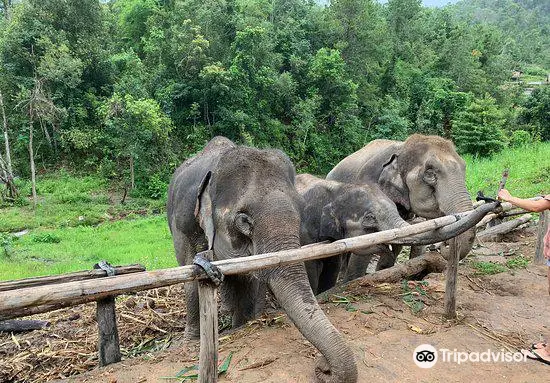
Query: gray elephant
[
  {"x": 335, "y": 210},
  {"x": 242, "y": 201},
  {"x": 423, "y": 176}
]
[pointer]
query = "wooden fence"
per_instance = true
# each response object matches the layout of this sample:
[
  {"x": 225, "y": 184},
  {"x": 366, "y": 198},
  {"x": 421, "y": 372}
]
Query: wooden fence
[{"x": 38, "y": 295}]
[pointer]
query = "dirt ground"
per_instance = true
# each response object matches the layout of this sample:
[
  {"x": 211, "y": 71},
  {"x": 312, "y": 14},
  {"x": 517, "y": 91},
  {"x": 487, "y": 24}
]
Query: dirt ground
[{"x": 383, "y": 324}]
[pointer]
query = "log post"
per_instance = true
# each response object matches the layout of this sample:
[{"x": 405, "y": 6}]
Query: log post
[
  {"x": 208, "y": 308},
  {"x": 544, "y": 221},
  {"x": 108, "y": 344},
  {"x": 451, "y": 280}
]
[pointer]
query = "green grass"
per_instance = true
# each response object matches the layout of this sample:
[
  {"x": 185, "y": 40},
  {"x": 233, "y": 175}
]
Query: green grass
[
  {"x": 55, "y": 251},
  {"x": 519, "y": 262},
  {"x": 489, "y": 268},
  {"x": 67, "y": 201},
  {"x": 529, "y": 169},
  {"x": 77, "y": 223}
]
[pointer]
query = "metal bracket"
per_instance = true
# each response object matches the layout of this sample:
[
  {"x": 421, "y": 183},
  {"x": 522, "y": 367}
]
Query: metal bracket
[
  {"x": 104, "y": 265},
  {"x": 481, "y": 197},
  {"x": 210, "y": 269}
]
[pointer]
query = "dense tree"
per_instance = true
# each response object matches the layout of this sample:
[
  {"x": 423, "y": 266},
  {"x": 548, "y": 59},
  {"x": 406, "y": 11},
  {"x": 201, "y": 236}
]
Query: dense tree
[
  {"x": 130, "y": 88},
  {"x": 478, "y": 129},
  {"x": 536, "y": 113}
]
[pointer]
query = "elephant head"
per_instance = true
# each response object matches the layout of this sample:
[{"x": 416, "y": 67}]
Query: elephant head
[
  {"x": 426, "y": 176},
  {"x": 357, "y": 210},
  {"x": 247, "y": 204}
]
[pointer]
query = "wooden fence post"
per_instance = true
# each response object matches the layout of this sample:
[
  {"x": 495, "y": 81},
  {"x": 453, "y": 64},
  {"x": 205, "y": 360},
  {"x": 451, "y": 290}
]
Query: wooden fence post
[
  {"x": 501, "y": 185},
  {"x": 208, "y": 307},
  {"x": 544, "y": 220},
  {"x": 109, "y": 347},
  {"x": 451, "y": 280}
]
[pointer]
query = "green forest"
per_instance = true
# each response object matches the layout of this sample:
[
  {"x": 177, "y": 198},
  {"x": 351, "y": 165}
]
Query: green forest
[{"x": 128, "y": 89}]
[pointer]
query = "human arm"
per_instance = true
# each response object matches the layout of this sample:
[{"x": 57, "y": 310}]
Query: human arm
[{"x": 530, "y": 205}]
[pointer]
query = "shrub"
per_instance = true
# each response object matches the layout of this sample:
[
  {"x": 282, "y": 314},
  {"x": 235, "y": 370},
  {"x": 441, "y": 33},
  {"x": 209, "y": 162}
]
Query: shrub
[
  {"x": 520, "y": 138},
  {"x": 46, "y": 238},
  {"x": 156, "y": 187},
  {"x": 6, "y": 242}
]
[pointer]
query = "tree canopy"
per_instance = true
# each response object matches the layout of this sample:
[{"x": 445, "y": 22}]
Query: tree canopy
[{"x": 130, "y": 88}]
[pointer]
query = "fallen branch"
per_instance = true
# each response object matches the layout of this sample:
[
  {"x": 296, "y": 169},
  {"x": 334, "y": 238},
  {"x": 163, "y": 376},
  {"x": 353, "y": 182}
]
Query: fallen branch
[
  {"x": 261, "y": 363},
  {"x": 22, "y": 325},
  {"x": 416, "y": 267},
  {"x": 493, "y": 233}
]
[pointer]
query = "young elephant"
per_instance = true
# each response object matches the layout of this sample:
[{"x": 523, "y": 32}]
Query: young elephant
[
  {"x": 335, "y": 210},
  {"x": 241, "y": 201}
]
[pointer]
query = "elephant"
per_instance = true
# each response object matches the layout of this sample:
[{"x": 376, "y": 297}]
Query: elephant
[
  {"x": 335, "y": 210},
  {"x": 239, "y": 201},
  {"x": 423, "y": 176}
]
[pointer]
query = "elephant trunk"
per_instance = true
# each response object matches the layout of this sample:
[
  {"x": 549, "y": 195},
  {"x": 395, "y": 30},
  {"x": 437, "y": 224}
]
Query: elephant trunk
[
  {"x": 449, "y": 231},
  {"x": 290, "y": 287},
  {"x": 457, "y": 200},
  {"x": 390, "y": 217}
]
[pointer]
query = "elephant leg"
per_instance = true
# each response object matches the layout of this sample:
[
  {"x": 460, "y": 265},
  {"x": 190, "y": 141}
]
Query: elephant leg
[
  {"x": 184, "y": 255},
  {"x": 261, "y": 297},
  {"x": 357, "y": 266},
  {"x": 417, "y": 251},
  {"x": 241, "y": 292},
  {"x": 329, "y": 273},
  {"x": 192, "y": 327},
  {"x": 344, "y": 261},
  {"x": 388, "y": 257},
  {"x": 314, "y": 269}
]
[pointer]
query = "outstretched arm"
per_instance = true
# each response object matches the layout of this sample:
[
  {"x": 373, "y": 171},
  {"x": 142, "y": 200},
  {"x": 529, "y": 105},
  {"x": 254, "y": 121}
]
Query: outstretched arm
[{"x": 530, "y": 205}]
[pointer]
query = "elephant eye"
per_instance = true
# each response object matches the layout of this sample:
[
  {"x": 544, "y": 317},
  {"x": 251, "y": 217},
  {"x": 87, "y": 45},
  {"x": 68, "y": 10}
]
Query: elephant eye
[
  {"x": 244, "y": 223},
  {"x": 430, "y": 176},
  {"x": 369, "y": 221}
]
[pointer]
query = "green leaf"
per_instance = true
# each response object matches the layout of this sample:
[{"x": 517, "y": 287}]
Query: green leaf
[{"x": 223, "y": 368}]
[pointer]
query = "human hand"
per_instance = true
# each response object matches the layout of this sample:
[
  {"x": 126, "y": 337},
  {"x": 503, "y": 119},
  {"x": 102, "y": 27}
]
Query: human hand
[{"x": 504, "y": 195}]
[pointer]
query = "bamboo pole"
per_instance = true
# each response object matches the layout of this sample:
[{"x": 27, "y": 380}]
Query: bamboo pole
[{"x": 73, "y": 293}]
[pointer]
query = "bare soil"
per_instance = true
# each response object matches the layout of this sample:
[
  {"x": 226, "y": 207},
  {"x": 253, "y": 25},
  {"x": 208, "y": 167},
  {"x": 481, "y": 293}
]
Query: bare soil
[{"x": 383, "y": 324}]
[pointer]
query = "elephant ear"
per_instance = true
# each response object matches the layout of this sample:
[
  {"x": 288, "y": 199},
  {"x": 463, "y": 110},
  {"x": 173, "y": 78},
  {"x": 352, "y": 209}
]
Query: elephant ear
[
  {"x": 392, "y": 183},
  {"x": 203, "y": 209},
  {"x": 329, "y": 227}
]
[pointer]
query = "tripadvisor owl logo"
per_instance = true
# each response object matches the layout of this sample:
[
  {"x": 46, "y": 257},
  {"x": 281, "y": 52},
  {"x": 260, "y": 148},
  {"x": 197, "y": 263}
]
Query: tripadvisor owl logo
[{"x": 425, "y": 356}]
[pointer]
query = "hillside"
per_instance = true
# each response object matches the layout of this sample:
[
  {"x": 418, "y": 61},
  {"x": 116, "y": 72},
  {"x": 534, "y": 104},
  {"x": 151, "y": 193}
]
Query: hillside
[{"x": 525, "y": 23}]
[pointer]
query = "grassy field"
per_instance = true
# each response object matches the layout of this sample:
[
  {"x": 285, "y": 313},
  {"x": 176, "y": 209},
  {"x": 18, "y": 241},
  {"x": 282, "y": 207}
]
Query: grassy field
[
  {"x": 529, "y": 171},
  {"x": 79, "y": 222},
  {"x": 54, "y": 251}
]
